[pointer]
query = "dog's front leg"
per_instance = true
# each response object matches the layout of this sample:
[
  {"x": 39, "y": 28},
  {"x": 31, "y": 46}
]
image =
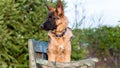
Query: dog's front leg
[
  {"x": 51, "y": 53},
  {"x": 67, "y": 56},
  {"x": 67, "y": 53},
  {"x": 51, "y": 57}
]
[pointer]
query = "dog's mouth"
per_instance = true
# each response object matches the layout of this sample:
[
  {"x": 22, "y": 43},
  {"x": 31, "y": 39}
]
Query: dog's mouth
[
  {"x": 48, "y": 27},
  {"x": 42, "y": 28}
]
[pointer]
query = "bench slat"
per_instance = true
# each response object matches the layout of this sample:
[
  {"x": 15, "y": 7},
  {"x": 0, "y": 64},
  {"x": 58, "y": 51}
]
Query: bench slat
[{"x": 40, "y": 46}]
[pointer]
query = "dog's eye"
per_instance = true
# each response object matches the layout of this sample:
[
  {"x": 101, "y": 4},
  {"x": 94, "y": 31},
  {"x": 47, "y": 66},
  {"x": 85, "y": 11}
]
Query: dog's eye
[{"x": 56, "y": 18}]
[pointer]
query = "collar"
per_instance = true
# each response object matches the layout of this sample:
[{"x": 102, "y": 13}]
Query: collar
[{"x": 60, "y": 35}]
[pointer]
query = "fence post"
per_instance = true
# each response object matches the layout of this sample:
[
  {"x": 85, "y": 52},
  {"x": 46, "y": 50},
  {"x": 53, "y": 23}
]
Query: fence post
[{"x": 32, "y": 62}]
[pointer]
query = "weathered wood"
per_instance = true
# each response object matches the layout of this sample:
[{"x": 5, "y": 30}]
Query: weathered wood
[
  {"x": 37, "y": 62},
  {"x": 31, "y": 54},
  {"x": 86, "y": 63}
]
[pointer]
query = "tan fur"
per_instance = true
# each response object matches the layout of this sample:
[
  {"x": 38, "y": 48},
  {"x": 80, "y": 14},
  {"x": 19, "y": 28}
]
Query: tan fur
[
  {"x": 59, "y": 49},
  {"x": 62, "y": 24}
]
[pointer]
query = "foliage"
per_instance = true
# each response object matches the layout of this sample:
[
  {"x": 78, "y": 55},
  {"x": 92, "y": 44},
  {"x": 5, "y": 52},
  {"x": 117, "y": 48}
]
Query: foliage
[
  {"x": 19, "y": 21},
  {"x": 104, "y": 38},
  {"x": 79, "y": 45},
  {"x": 102, "y": 42}
]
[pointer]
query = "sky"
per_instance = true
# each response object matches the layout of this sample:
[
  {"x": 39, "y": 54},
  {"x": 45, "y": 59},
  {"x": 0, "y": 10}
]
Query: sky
[{"x": 108, "y": 10}]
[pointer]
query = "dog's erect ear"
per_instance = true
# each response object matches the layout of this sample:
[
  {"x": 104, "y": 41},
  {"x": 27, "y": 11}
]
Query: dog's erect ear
[
  {"x": 50, "y": 8},
  {"x": 59, "y": 8}
]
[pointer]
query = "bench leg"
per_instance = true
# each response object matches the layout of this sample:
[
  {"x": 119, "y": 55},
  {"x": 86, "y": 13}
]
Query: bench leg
[{"x": 32, "y": 61}]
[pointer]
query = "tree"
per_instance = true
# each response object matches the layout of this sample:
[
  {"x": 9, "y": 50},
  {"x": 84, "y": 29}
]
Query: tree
[
  {"x": 79, "y": 12},
  {"x": 19, "y": 21},
  {"x": 102, "y": 42}
]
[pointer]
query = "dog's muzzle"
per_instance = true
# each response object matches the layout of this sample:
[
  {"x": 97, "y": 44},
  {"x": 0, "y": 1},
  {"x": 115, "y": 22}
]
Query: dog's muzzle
[{"x": 41, "y": 26}]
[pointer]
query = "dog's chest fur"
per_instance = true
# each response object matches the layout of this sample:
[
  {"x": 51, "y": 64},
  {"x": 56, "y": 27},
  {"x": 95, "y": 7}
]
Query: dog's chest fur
[{"x": 60, "y": 43}]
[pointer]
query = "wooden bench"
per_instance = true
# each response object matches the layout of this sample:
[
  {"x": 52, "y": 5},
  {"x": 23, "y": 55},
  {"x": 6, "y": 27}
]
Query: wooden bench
[{"x": 38, "y": 58}]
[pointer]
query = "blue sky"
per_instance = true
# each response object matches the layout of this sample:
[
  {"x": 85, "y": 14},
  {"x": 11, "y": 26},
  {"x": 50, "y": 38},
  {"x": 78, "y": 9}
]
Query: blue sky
[{"x": 108, "y": 9}]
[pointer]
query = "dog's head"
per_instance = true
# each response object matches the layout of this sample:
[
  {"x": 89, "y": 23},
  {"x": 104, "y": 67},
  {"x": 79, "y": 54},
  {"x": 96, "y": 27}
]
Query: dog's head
[{"x": 54, "y": 18}]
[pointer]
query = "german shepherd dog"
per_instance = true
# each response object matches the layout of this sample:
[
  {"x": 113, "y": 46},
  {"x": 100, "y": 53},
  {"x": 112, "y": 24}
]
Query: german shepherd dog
[{"x": 59, "y": 48}]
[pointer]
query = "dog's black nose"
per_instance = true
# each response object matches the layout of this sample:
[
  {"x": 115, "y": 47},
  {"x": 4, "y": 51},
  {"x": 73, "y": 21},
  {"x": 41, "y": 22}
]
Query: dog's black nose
[{"x": 41, "y": 26}]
